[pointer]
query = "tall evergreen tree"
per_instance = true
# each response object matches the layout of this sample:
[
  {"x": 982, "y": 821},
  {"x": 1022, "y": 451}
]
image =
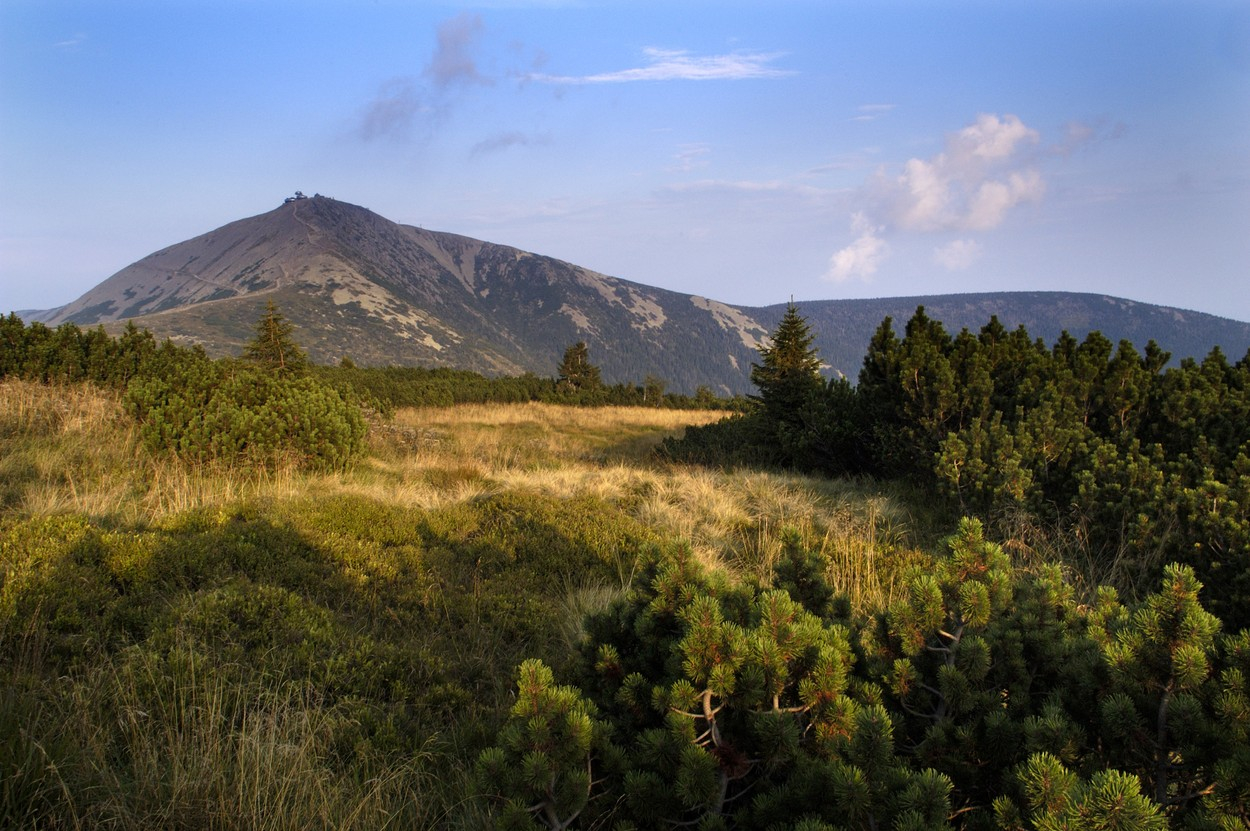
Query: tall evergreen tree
[
  {"x": 789, "y": 372},
  {"x": 274, "y": 345},
  {"x": 577, "y": 373}
]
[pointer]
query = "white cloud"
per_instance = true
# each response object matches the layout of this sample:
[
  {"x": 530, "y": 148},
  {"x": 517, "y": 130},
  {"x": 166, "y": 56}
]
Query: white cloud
[
  {"x": 861, "y": 258},
  {"x": 971, "y": 185},
  {"x": 957, "y": 255},
  {"x": 989, "y": 205},
  {"x": 990, "y": 138},
  {"x": 981, "y": 174},
  {"x": 680, "y": 65},
  {"x": 924, "y": 195}
]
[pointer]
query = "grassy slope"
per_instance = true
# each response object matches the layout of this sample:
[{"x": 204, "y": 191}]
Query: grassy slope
[{"x": 184, "y": 647}]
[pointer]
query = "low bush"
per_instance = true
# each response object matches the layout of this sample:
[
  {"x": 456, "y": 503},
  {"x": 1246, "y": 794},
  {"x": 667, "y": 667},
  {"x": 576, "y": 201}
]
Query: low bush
[{"x": 238, "y": 414}]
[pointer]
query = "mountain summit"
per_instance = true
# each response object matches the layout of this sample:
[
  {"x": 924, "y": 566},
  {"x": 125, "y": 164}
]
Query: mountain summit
[{"x": 357, "y": 285}]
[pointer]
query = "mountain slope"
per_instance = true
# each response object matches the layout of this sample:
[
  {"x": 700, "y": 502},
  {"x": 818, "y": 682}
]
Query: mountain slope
[{"x": 356, "y": 284}]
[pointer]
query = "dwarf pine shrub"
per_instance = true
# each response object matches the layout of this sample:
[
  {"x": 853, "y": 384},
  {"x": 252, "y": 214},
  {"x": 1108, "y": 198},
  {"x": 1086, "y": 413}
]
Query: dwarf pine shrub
[{"x": 241, "y": 415}]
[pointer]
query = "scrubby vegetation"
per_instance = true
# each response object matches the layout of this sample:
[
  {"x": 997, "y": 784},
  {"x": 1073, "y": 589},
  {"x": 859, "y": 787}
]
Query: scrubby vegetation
[
  {"x": 520, "y": 615},
  {"x": 261, "y": 411},
  {"x": 1133, "y": 463}
]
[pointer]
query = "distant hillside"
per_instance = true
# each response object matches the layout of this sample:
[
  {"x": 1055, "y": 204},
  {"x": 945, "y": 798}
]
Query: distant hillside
[{"x": 356, "y": 284}]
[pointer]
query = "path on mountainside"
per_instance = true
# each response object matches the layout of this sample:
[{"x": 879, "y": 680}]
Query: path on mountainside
[
  {"x": 283, "y": 276},
  {"x": 308, "y": 226},
  {"x": 312, "y": 232}
]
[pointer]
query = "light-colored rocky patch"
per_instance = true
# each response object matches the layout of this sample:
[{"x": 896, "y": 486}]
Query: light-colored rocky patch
[
  {"x": 730, "y": 319},
  {"x": 600, "y": 284},
  {"x": 650, "y": 314},
  {"x": 577, "y": 316},
  {"x": 429, "y": 341},
  {"x": 466, "y": 270},
  {"x": 407, "y": 321}
]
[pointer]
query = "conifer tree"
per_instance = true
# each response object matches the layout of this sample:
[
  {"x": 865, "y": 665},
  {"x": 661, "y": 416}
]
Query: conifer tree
[
  {"x": 1056, "y": 798},
  {"x": 789, "y": 370},
  {"x": 576, "y": 373},
  {"x": 12, "y": 345},
  {"x": 738, "y": 707},
  {"x": 544, "y": 765},
  {"x": 274, "y": 346},
  {"x": 1160, "y": 664}
]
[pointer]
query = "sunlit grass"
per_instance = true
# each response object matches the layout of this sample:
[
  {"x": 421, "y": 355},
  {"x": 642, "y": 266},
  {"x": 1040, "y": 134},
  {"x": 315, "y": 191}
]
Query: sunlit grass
[
  {"x": 72, "y": 450},
  {"x": 157, "y": 746}
]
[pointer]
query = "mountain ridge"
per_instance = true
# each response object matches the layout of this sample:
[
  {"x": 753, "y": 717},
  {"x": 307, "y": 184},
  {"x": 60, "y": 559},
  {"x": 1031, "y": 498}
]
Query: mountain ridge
[{"x": 358, "y": 285}]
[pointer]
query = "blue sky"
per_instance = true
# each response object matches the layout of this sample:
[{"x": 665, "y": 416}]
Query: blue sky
[{"x": 745, "y": 151}]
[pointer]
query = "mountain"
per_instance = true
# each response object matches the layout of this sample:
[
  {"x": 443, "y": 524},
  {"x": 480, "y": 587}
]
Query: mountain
[{"x": 356, "y": 284}]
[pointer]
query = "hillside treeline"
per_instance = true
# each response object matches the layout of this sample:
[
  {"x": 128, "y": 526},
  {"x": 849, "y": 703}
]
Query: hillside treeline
[
  {"x": 1137, "y": 463},
  {"x": 69, "y": 354},
  {"x": 404, "y": 386},
  {"x": 263, "y": 410}
]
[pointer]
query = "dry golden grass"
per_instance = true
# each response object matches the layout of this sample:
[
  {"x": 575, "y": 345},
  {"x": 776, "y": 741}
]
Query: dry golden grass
[
  {"x": 733, "y": 520},
  {"x": 71, "y": 450}
]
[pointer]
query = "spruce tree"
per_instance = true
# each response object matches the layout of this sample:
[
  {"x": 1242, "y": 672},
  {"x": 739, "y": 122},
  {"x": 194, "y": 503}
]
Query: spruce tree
[
  {"x": 577, "y": 373},
  {"x": 789, "y": 370},
  {"x": 274, "y": 346}
]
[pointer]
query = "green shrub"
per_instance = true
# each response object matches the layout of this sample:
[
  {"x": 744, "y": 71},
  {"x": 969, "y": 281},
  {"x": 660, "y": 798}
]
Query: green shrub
[{"x": 207, "y": 412}]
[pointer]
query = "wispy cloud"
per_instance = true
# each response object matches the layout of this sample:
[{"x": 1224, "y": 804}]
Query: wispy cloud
[
  {"x": 400, "y": 101},
  {"x": 690, "y": 157},
  {"x": 680, "y": 65},
  {"x": 72, "y": 42},
  {"x": 392, "y": 111},
  {"x": 780, "y": 186},
  {"x": 1080, "y": 134},
  {"x": 453, "y": 61},
  {"x": 957, "y": 255},
  {"x": 871, "y": 112},
  {"x": 503, "y": 141}
]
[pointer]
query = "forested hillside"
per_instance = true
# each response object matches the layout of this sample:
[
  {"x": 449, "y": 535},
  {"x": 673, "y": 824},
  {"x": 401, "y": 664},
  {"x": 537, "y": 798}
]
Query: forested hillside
[{"x": 995, "y": 584}]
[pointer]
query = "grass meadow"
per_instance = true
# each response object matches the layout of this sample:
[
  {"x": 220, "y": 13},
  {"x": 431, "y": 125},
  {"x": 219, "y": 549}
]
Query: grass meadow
[{"x": 198, "y": 647}]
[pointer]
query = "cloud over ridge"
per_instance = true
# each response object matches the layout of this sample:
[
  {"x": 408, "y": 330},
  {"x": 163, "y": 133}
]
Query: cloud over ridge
[
  {"x": 969, "y": 185},
  {"x": 980, "y": 175}
]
